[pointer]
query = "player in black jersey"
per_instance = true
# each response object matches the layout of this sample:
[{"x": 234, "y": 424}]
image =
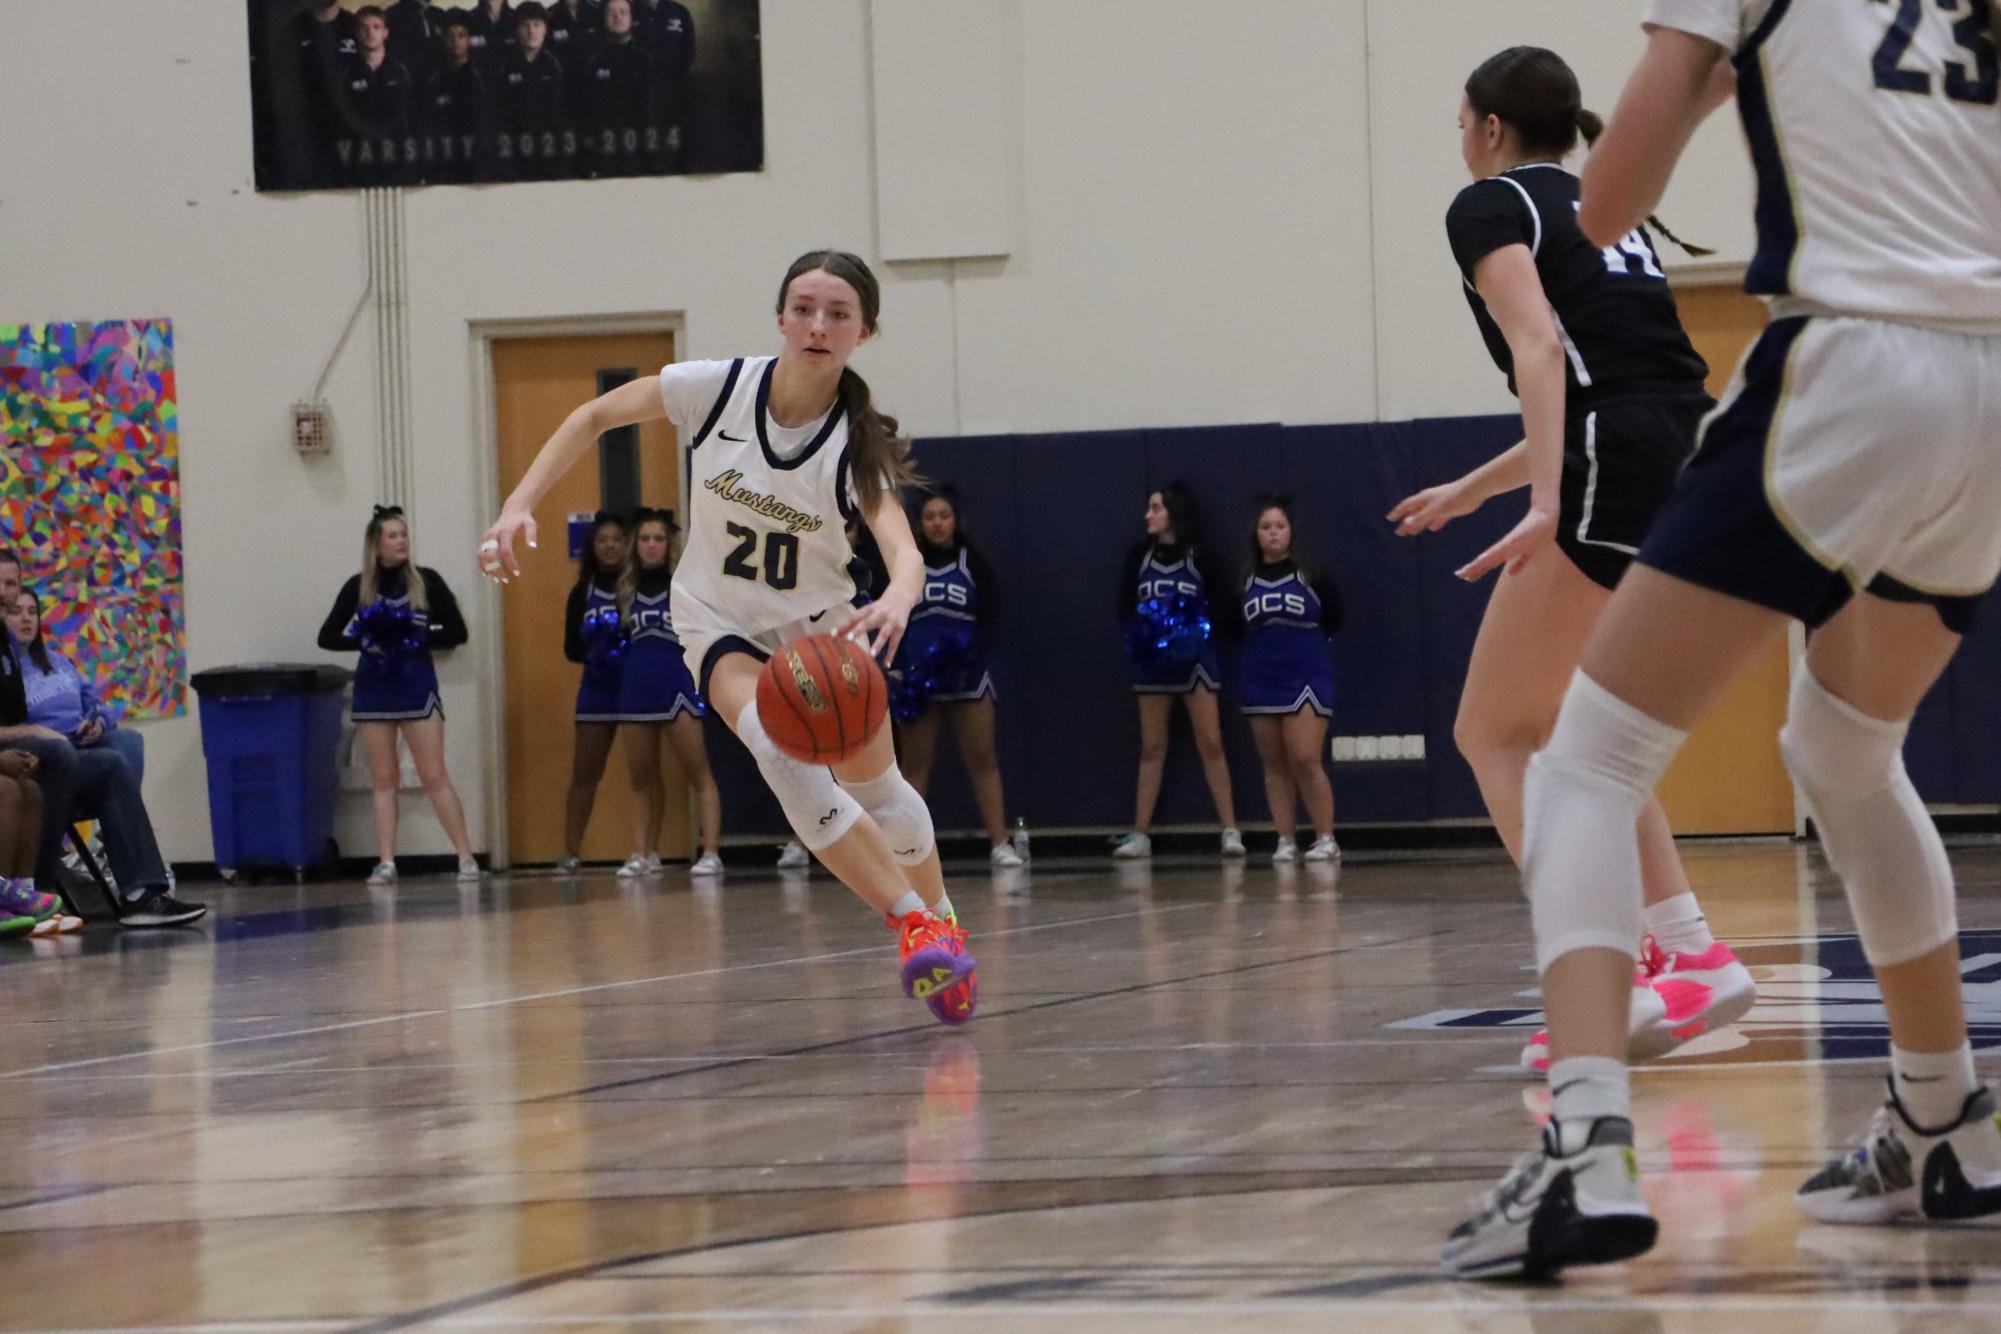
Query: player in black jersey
[
  {"x": 531, "y": 98},
  {"x": 494, "y": 34},
  {"x": 374, "y": 150},
  {"x": 456, "y": 108},
  {"x": 414, "y": 29},
  {"x": 615, "y": 107},
  {"x": 575, "y": 27},
  {"x": 1612, "y": 395}
]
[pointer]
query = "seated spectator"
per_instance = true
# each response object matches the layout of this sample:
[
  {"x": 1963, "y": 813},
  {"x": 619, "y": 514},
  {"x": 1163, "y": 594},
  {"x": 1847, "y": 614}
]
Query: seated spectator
[
  {"x": 24, "y": 910},
  {"x": 76, "y": 784},
  {"x": 58, "y": 696}
]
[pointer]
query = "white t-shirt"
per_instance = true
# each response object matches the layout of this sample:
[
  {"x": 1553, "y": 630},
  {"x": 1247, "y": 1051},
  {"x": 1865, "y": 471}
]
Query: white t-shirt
[
  {"x": 1875, "y": 131},
  {"x": 767, "y": 542}
]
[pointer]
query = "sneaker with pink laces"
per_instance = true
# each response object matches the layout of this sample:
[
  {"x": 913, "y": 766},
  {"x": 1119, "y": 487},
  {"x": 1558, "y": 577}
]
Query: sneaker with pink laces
[
  {"x": 1647, "y": 1011},
  {"x": 1700, "y": 993}
]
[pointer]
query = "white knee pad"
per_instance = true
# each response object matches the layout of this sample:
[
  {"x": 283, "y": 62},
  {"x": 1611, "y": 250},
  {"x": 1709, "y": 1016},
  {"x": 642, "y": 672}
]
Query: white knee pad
[
  {"x": 1581, "y": 810},
  {"x": 896, "y": 806},
  {"x": 814, "y": 804},
  {"x": 1874, "y": 828}
]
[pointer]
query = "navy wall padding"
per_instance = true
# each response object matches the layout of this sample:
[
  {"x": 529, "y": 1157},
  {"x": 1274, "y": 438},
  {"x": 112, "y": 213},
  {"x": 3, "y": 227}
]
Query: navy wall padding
[
  {"x": 1451, "y": 608},
  {"x": 1345, "y": 479},
  {"x": 1057, "y": 514}
]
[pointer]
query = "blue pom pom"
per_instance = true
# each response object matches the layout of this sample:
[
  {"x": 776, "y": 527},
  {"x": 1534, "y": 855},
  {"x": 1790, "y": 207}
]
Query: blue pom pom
[
  {"x": 1169, "y": 632},
  {"x": 920, "y": 674}
]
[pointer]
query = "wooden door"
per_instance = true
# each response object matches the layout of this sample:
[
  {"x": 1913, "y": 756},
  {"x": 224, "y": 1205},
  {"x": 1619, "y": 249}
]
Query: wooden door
[
  {"x": 1729, "y": 778},
  {"x": 537, "y": 381}
]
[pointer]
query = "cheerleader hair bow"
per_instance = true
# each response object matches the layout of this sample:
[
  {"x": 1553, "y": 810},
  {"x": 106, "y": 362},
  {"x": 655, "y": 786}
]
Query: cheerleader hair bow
[{"x": 1171, "y": 631}]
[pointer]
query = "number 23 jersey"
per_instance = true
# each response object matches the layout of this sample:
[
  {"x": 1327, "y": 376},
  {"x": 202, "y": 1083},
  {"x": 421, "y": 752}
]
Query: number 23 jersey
[{"x": 768, "y": 505}]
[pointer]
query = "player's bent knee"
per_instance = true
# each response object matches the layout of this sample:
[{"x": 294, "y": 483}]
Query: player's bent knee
[
  {"x": 1873, "y": 825},
  {"x": 897, "y": 807},
  {"x": 818, "y": 809}
]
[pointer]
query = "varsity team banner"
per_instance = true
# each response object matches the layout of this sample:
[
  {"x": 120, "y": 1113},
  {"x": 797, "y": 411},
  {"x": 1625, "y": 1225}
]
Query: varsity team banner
[{"x": 347, "y": 94}]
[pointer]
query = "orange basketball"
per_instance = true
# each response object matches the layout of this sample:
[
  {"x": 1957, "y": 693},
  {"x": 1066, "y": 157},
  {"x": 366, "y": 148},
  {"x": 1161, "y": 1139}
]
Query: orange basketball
[{"x": 821, "y": 699}]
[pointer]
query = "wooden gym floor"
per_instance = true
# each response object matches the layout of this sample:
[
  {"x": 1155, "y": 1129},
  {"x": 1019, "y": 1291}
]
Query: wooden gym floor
[{"x": 1196, "y": 1097}]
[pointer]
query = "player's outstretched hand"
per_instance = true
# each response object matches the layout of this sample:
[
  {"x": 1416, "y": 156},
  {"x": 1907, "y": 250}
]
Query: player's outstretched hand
[
  {"x": 1524, "y": 541},
  {"x": 1432, "y": 508},
  {"x": 497, "y": 558},
  {"x": 878, "y": 626}
]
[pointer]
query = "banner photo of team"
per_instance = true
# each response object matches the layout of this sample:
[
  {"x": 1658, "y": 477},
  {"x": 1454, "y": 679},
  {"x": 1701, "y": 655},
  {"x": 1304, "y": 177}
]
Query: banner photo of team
[{"x": 348, "y": 95}]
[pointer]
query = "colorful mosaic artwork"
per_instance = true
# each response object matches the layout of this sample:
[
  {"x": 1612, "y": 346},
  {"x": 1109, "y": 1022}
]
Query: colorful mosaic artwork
[{"x": 90, "y": 499}]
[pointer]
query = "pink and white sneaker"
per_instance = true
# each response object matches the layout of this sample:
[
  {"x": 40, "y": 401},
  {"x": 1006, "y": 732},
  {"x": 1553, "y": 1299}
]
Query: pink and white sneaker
[
  {"x": 1700, "y": 993},
  {"x": 1647, "y": 1013}
]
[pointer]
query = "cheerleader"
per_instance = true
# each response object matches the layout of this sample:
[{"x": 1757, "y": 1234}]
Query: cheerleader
[
  {"x": 593, "y": 637},
  {"x": 1169, "y": 566},
  {"x": 1290, "y": 609},
  {"x": 783, "y": 450},
  {"x": 397, "y": 623},
  {"x": 942, "y": 669},
  {"x": 657, "y": 699}
]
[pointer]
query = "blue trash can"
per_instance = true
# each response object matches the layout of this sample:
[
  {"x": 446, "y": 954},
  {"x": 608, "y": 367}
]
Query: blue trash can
[{"x": 270, "y": 732}]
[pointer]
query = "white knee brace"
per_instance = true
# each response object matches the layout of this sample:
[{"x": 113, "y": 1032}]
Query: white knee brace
[
  {"x": 814, "y": 804},
  {"x": 895, "y": 805},
  {"x": 1581, "y": 810},
  {"x": 1877, "y": 834}
]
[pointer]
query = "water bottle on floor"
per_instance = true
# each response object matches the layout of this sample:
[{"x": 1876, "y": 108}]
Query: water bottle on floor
[{"x": 1020, "y": 839}]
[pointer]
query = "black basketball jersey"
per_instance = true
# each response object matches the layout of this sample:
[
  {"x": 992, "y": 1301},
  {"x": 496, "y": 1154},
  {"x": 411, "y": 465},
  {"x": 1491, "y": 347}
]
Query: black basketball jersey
[{"x": 1614, "y": 313}]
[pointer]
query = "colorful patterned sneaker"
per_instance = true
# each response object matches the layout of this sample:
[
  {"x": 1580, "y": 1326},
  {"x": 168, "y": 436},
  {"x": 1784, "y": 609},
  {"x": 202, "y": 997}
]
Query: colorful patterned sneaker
[
  {"x": 1575, "y": 1201},
  {"x": 956, "y": 1003},
  {"x": 933, "y": 954},
  {"x": 16, "y": 926},
  {"x": 17, "y": 901},
  {"x": 1647, "y": 1011},
  {"x": 1903, "y": 1172},
  {"x": 1702, "y": 993}
]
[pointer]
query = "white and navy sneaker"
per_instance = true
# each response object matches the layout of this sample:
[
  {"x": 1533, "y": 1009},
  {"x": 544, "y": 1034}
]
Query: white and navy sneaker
[
  {"x": 1133, "y": 847},
  {"x": 1555, "y": 1209},
  {"x": 1902, "y": 1172},
  {"x": 793, "y": 856}
]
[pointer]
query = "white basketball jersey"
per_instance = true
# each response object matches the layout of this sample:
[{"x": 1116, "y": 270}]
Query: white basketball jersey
[
  {"x": 1875, "y": 130},
  {"x": 767, "y": 507}
]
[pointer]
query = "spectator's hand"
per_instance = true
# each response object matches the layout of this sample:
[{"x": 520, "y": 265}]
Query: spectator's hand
[
  {"x": 92, "y": 731},
  {"x": 497, "y": 559},
  {"x": 17, "y": 763}
]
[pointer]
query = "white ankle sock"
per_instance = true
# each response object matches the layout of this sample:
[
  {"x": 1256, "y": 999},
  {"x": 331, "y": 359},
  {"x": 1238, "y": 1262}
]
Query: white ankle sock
[
  {"x": 908, "y": 904},
  {"x": 1933, "y": 1086},
  {"x": 1678, "y": 925},
  {"x": 1584, "y": 1089},
  {"x": 943, "y": 907}
]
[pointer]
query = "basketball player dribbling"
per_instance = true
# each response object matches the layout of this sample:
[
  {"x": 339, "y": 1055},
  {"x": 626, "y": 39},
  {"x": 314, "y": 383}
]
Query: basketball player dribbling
[{"x": 784, "y": 449}]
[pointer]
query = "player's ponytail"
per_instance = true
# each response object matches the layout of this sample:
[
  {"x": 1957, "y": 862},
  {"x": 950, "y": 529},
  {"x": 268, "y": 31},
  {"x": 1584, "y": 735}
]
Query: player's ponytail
[
  {"x": 1533, "y": 91},
  {"x": 1591, "y": 125},
  {"x": 878, "y": 456}
]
